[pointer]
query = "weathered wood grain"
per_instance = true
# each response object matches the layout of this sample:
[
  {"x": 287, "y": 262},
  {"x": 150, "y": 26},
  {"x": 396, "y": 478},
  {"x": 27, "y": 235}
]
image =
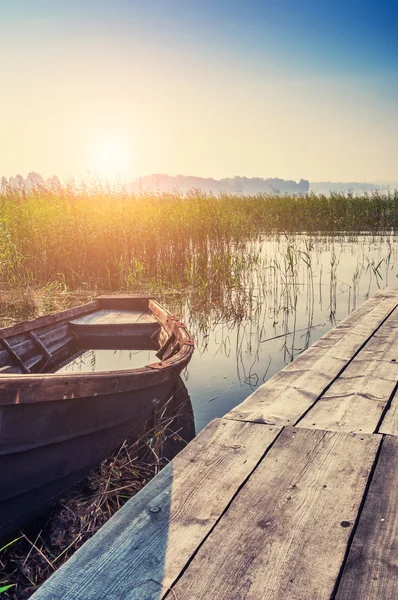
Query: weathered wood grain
[
  {"x": 40, "y": 344},
  {"x": 122, "y": 301},
  {"x": 114, "y": 316},
  {"x": 154, "y": 535},
  {"x": 91, "y": 317},
  {"x": 357, "y": 399},
  {"x": 372, "y": 566},
  {"x": 23, "y": 343},
  {"x": 14, "y": 357},
  {"x": 28, "y": 350},
  {"x": 292, "y": 391},
  {"x": 285, "y": 534},
  {"x": 110, "y": 316},
  {"x": 146, "y": 317},
  {"x": 17, "y": 390},
  {"x": 20, "y": 349}
]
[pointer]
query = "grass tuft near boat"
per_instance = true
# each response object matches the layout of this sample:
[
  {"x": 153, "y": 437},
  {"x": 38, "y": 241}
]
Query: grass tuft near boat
[{"x": 56, "y": 425}]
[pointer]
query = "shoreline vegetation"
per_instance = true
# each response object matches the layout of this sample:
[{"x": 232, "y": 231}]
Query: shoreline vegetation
[{"x": 106, "y": 239}]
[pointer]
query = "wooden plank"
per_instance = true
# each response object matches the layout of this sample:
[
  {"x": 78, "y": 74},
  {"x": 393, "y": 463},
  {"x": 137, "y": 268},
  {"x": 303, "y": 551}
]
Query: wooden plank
[
  {"x": 111, "y": 316},
  {"x": 21, "y": 349},
  {"x": 357, "y": 399},
  {"x": 129, "y": 301},
  {"x": 15, "y": 357},
  {"x": 40, "y": 344},
  {"x": 285, "y": 535},
  {"x": 128, "y": 317},
  {"x": 389, "y": 424},
  {"x": 91, "y": 317},
  {"x": 292, "y": 391},
  {"x": 163, "y": 348},
  {"x": 155, "y": 534},
  {"x": 61, "y": 343},
  {"x": 40, "y": 331},
  {"x": 371, "y": 571},
  {"x": 54, "y": 340},
  {"x": 147, "y": 318},
  {"x": 28, "y": 350}
]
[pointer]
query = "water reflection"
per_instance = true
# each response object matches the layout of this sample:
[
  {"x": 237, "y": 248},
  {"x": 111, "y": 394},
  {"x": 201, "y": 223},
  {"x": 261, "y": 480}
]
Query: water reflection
[
  {"x": 101, "y": 359},
  {"x": 296, "y": 289},
  {"x": 171, "y": 425}
]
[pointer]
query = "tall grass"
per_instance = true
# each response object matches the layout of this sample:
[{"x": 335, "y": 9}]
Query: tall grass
[{"x": 110, "y": 239}]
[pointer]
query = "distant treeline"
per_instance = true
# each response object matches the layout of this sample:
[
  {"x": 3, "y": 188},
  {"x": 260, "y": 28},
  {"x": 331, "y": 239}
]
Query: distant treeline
[
  {"x": 160, "y": 183},
  {"x": 247, "y": 185},
  {"x": 324, "y": 187},
  {"x": 32, "y": 180},
  {"x": 231, "y": 185}
]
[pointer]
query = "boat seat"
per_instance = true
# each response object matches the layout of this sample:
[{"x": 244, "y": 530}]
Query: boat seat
[
  {"x": 115, "y": 317},
  {"x": 115, "y": 322}
]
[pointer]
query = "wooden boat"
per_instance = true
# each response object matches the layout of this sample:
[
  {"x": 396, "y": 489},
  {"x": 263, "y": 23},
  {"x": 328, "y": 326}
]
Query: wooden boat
[{"x": 55, "y": 427}]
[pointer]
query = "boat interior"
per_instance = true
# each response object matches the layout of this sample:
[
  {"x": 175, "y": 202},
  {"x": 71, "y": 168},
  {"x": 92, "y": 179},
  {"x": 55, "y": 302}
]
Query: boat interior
[{"x": 48, "y": 344}]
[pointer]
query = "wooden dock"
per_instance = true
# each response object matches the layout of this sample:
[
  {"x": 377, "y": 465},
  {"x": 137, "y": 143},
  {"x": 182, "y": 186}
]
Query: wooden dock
[{"x": 292, "y": 495}]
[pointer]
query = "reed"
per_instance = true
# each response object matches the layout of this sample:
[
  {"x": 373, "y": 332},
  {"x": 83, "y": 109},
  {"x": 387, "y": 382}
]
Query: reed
[{"x": 110, "y": 239}]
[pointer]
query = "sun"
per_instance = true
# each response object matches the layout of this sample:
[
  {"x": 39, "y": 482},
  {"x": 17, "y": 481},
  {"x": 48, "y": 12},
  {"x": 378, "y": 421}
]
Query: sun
[{"x": 110, "y": 158}]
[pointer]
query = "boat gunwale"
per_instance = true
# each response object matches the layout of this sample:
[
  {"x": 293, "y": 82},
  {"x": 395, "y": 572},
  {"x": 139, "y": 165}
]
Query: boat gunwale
[
  {"x": 158, "y": 371},
  {"x": 31, "y": 325}
]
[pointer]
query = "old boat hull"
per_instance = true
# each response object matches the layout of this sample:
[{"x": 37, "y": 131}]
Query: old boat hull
[
  {"x": 55, "y": 429},
  {"x": 32, "y": 479}
]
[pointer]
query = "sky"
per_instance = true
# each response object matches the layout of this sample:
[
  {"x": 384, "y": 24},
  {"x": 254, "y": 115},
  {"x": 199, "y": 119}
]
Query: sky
[{"x": 213, "y": 88}]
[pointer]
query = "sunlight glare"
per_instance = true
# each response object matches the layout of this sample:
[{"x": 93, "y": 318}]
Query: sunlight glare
[{"x": 111, "y": 158}]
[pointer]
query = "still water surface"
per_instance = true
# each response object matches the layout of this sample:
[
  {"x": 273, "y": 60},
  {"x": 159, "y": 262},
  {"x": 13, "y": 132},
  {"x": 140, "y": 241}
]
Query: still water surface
[
  {"x": 92, "y": 361},
  {"x": 294, "y": 293},
  {"x": 289, "y": 292}
]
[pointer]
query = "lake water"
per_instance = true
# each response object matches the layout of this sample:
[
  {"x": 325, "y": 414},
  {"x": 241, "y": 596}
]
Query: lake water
[
  {"x": 295, "y": 291},
  {"x": 281, "y": 294},
  {"x": 95, "y": 360}
]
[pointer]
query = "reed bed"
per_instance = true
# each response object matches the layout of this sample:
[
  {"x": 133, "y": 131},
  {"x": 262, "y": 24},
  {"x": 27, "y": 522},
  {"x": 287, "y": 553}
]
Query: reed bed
[{"x": 110, "y": 239}]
